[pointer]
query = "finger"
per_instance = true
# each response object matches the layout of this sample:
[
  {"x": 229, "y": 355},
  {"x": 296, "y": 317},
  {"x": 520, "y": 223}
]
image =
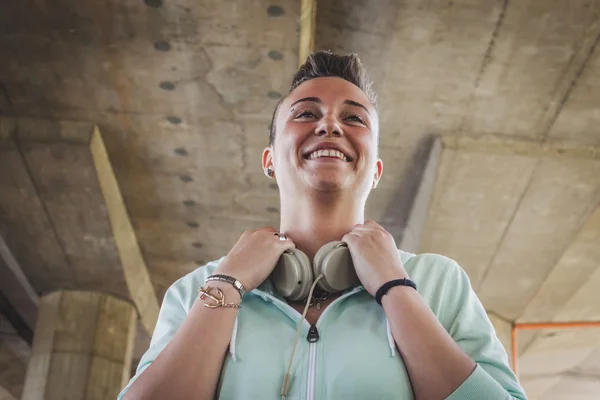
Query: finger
[
  {"x": 363, "y": 229},
  {"x": 266, "y": 232},
  {"x": 350, "y": 238},
  {"x": 374, "y": 225},
  {"x": 287, "y": 244}
]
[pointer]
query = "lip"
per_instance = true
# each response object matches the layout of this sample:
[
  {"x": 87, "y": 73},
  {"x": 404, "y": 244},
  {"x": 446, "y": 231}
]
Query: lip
[{"x": 328, "y": 146}]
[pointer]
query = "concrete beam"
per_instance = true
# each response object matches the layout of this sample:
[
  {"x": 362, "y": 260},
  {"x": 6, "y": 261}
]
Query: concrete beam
[
  {"x": 523, "y": 147},
  {"x": 18, "y": 300},
  {"x": 410, "y": 205},
  {"x": 44, "y": 130},
  {"x": 308, "y": 23},
  {"x": 135, "y": 269}
]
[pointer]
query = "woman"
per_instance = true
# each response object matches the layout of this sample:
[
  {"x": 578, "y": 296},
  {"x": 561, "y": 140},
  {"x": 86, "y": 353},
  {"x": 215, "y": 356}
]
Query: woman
[{"x": 432, "y": 343}]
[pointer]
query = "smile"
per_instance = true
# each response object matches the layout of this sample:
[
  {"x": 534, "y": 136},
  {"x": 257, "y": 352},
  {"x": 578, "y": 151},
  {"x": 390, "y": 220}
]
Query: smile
[{"x": 329, "y": 153}]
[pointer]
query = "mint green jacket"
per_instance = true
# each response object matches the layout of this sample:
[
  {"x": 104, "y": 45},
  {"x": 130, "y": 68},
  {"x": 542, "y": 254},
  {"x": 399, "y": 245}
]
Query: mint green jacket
[{"x": 355, "y": 356}]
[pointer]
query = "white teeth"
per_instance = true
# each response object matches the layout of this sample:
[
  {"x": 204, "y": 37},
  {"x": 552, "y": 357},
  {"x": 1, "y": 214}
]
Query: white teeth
[{"x": 327, "y": 153}]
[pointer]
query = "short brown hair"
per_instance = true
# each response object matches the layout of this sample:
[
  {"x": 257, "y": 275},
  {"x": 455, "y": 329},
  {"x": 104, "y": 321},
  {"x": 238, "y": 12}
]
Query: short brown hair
[{"x": 322, "y": 64}]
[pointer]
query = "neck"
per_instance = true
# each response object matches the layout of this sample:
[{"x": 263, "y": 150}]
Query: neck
[{"x": 314, "y": 220}]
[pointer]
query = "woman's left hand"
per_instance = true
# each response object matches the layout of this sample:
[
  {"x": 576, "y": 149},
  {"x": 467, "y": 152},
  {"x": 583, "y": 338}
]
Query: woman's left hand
[{"x": 374, "y": 254}]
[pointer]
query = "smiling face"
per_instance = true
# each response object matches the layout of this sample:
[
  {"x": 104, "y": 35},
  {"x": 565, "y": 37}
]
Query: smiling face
[{"x": 326, "y": 139}]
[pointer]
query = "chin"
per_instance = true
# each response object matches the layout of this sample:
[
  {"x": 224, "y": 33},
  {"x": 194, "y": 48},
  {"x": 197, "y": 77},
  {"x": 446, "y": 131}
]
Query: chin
[{"x": 329, "y": 184}]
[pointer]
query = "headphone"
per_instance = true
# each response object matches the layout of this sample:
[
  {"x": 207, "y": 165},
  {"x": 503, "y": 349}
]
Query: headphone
[{"x": 294, "y": 274}]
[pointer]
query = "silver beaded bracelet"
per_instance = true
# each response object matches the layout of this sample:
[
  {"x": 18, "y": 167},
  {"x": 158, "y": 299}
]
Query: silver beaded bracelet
[{"x": 229, "y": 279}]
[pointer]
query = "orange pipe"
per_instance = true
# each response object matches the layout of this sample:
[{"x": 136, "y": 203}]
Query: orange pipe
[
  {"x": 553, "y": 325},
  {"x": 543, "y": 325},
  {"x": 515, "y": 351}
]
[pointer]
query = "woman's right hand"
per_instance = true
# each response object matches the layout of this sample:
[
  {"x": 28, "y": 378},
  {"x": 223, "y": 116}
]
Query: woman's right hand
[{"x": 254, "y": 257}]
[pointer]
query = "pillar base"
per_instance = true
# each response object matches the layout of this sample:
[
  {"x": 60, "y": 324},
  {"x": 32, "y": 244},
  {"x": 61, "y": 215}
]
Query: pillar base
[{"x": 82, "y": 347}]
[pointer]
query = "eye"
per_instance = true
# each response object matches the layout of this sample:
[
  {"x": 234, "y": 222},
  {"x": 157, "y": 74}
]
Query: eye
[
  {"x": 305, "y": 114},
  {"x": 355, "y": 118}
]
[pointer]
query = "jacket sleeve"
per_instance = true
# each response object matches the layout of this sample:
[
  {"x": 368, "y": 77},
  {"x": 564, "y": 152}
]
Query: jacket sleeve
[
  {"x": 172, "y": 314},
  {"x": 472, "y": 330}
]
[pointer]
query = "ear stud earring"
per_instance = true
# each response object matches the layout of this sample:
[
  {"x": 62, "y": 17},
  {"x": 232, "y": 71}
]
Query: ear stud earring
[{"x": 270, "y": 173}]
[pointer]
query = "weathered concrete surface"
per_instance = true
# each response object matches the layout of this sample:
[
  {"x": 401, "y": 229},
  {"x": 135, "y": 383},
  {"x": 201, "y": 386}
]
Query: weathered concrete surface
[
  {"x": 139, "y": 284},
  {"x": 559, "y": 197},
  {"x": 577, "y": 265},
  {"x": 85, "y": 339},
  {"x": 184, "y": 94},
  {"x": 181, "y": 124},
  {"x": 581, "y": 383},
  {"x": 54, "y": 220},
  {"x": 14, "y": 355},
  {"x": 12, "y": 372},
  {"x": 577, "y": 349}
]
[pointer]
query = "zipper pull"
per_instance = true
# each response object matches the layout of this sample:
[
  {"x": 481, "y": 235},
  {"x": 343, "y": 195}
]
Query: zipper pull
[{"x": 313, "y": 334}]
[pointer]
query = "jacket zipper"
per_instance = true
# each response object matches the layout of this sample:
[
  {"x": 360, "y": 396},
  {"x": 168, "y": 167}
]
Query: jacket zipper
[
  {"x": 313, "y": 337},
  {"x": 312, "y": 346},
  {"x": 312, "y": 369}
]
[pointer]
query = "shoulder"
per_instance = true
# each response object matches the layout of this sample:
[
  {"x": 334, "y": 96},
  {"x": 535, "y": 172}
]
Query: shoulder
[
  {"x": 442, "y": 283},
  {"x": 429, "y": 266}
]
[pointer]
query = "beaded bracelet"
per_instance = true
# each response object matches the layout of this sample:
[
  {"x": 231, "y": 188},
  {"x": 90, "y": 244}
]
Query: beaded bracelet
[{"x": 387, "y": 286}]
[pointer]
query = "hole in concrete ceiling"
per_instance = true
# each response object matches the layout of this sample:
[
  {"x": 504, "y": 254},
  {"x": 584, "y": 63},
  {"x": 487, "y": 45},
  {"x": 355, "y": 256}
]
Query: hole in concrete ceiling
[
  {"x": 162, "y": 45},
  {"x": 272, "y": 210},
  {"x": 167, "y": 85},
  {"x": 273, "y": 94},
  {"x": 193, "y": 224},
  {"x": 181, "y": 151},
  {"x": 197, "y": 245},
  {"x": 273, "y": 186},
  {"x": 153, "y": 3},
  {"x": 185, "y": 178},
  {"x": 174, "y": 120},
  {"x": 275, "y": 55},
  {"x": 275, "y": 11},
  {"x": 189, "y": 203}
]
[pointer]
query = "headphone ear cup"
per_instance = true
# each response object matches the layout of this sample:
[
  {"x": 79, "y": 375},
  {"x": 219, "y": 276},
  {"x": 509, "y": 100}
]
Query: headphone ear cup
[
  {"x": 335, "y": 263},
  {"x": 293, "y": 276}
]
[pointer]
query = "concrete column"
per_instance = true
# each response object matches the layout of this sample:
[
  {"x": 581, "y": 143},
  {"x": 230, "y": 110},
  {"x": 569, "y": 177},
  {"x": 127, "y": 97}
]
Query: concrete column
[
  {"x": 5, "y": 395},
  {"x": 82, "y": 347},
  {"x": 12, "y": 373}
]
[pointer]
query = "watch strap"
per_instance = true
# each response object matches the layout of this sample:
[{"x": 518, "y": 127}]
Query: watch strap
[{"x": 228, "y": 279}]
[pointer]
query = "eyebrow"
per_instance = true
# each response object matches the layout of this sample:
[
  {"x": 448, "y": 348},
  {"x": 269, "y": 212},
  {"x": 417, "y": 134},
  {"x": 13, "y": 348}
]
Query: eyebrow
[{"x": 318, "y": 100}]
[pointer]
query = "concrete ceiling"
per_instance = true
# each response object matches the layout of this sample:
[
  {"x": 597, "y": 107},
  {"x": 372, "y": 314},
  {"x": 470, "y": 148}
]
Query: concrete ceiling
[{"x": 183, "y": 93}]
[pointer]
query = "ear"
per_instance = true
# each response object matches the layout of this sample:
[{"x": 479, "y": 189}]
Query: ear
[
  {"x": 378, "y": 170},
  {"x": 267, "y": 159}
]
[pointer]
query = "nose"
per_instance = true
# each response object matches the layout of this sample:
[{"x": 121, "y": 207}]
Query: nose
[{"x": 329, "y": 127}]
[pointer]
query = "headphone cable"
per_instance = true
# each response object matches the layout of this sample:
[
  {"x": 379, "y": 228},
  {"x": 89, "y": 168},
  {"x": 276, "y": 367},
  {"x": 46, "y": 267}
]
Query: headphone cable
[{"x": 285, "y": 387}]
